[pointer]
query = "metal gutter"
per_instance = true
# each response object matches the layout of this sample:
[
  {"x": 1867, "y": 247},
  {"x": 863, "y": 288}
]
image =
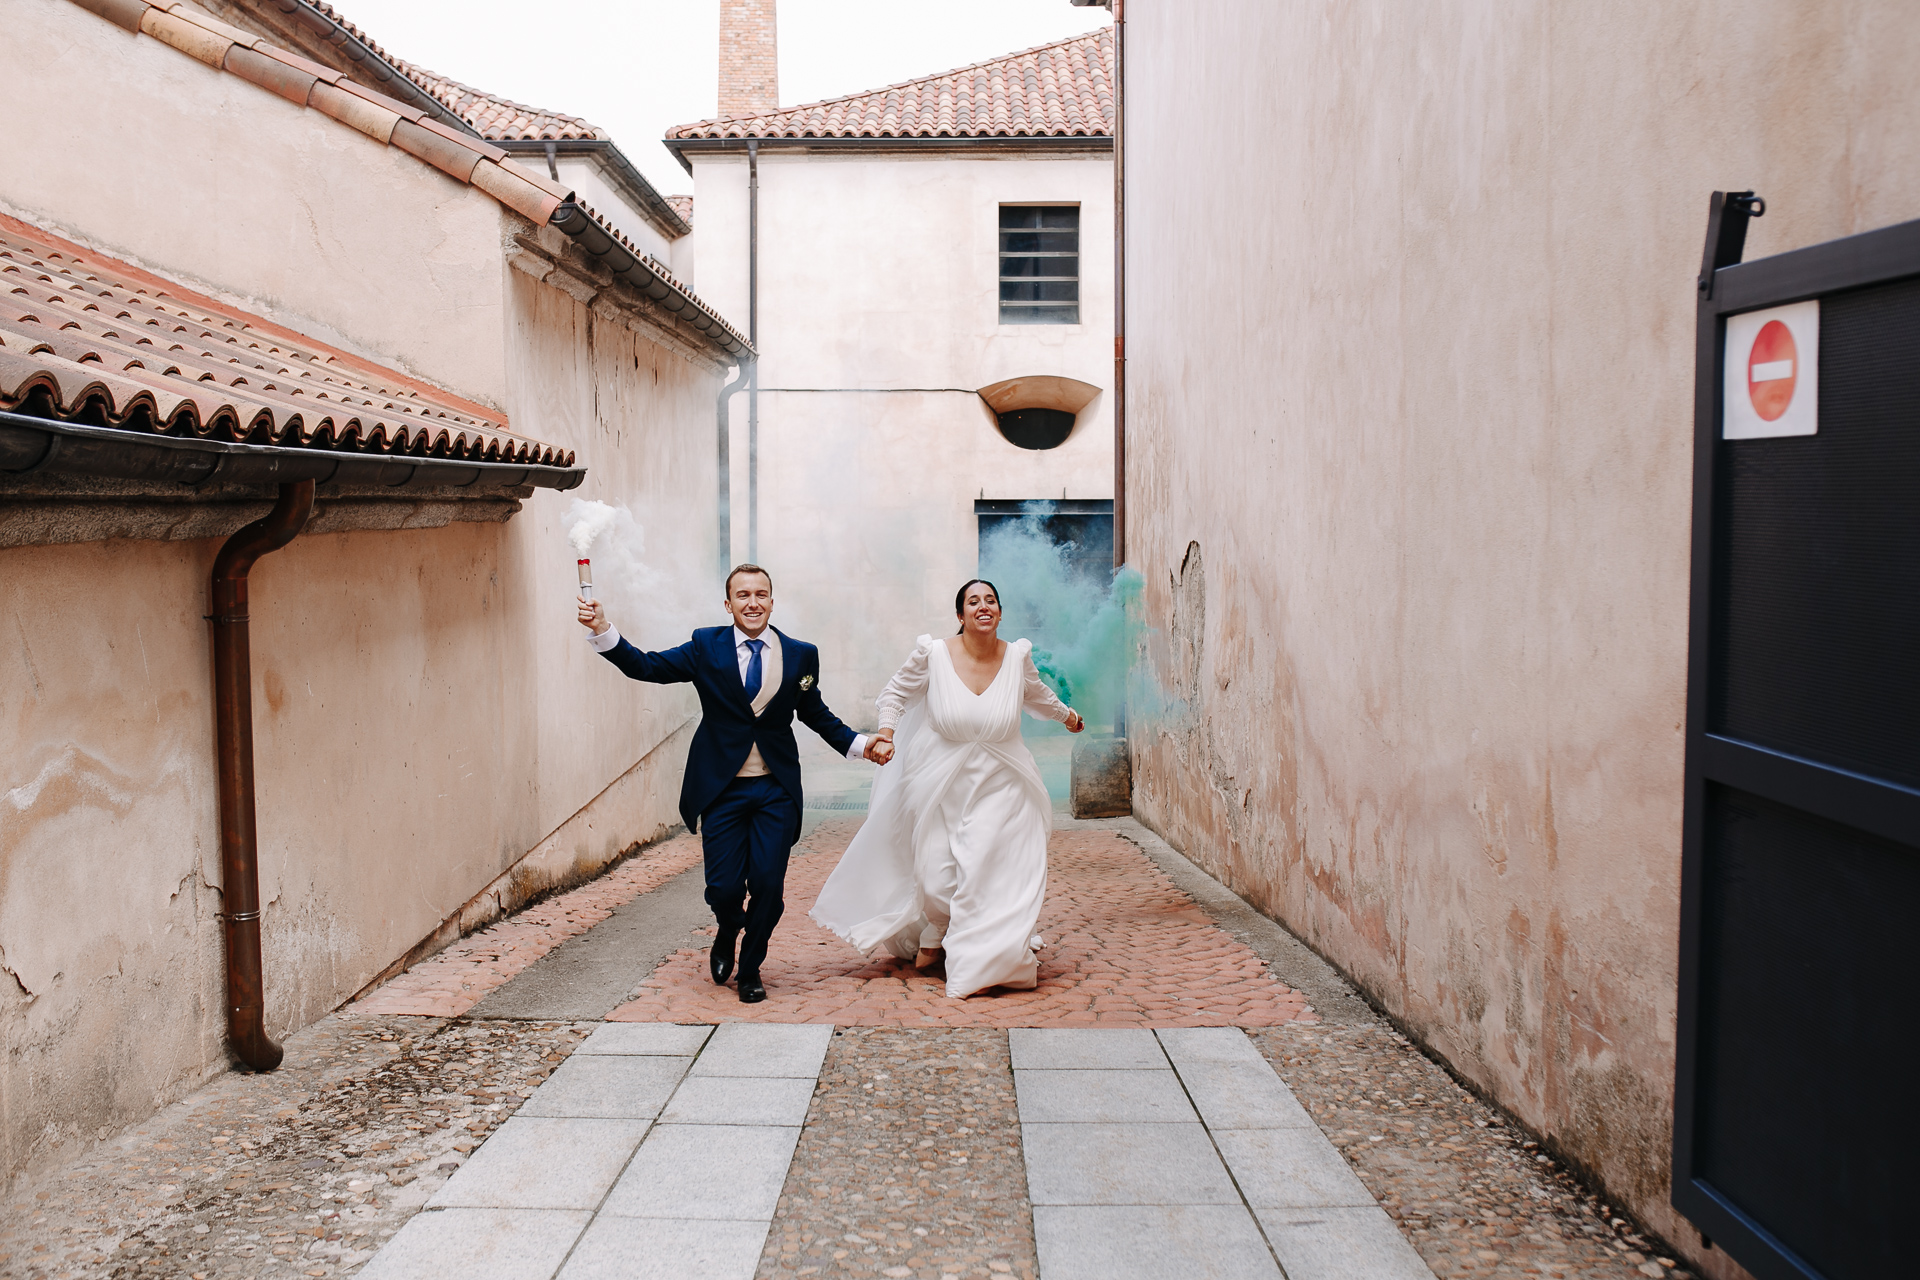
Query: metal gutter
[
  {"x": 753, "y": 367},
  {"x": 233, "y": 742},
  {"x": 725, "y": 416},
  {"x": 600, "y": 243},
  {"x": 30, "y": 445},
  {"x": 614, "y": 163},
  {"x": 1050, "y": 142},
  {"x": 375, "y": 64}
]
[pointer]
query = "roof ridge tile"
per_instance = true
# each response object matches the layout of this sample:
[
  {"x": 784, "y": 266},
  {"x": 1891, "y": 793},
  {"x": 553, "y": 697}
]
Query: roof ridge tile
[{"x": 1062, "y": 88}]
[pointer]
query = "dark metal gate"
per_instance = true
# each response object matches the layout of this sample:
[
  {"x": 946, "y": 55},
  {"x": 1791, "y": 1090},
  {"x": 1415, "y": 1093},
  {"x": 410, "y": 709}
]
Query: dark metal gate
[{"x": 1794, "y": 1120}]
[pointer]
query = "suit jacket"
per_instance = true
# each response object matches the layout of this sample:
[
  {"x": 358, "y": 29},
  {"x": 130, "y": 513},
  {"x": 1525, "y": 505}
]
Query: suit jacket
[{"x": 728, "y": 728}]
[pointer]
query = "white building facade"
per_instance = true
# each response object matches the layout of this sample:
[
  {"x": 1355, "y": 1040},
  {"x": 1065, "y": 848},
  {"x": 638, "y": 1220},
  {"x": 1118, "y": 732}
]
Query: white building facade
[{"x": 927, "y": 273}]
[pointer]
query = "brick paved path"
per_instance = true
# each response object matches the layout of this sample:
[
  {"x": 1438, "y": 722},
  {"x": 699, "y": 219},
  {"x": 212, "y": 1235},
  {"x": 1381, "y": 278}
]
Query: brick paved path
[{"x": 1125, "y": 949}]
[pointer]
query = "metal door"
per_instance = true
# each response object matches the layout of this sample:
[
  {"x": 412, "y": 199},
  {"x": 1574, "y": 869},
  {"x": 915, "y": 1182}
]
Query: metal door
[{"x": 1794, "y": 1129}]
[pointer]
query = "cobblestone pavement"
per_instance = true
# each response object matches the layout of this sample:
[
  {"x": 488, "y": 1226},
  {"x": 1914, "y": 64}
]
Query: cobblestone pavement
[
  {"x": 1125, "y": 949},
  {"x": 300, "y": 1172},
  {"x": 453, "y": 981},
  {"x": 910, "y": 1164},
  {"x": 1475, "y": 1196}
]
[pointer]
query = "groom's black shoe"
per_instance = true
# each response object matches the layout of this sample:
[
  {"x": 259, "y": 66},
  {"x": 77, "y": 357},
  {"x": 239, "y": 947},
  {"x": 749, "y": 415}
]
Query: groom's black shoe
[
  {"x": 751, "y": 992},
  {"x": 720, "y": 959}
]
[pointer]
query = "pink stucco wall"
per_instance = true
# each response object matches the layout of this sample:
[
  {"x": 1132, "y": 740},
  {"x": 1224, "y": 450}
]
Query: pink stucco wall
[{"x": 1410, "y": 331}]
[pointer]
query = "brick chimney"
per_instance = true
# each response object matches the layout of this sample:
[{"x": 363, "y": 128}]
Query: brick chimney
[{"x": 749, "y": 69}]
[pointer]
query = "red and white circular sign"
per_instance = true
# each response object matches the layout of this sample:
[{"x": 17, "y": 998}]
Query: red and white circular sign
[{"x": 1771, "y": 371}]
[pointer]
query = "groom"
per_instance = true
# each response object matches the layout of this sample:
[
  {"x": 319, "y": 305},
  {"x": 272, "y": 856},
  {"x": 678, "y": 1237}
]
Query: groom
[{"x": 742, "y": 785}]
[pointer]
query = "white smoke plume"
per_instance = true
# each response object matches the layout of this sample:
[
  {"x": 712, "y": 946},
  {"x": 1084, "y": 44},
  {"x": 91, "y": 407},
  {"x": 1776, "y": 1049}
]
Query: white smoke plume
[{"x": 654, "y": 605}]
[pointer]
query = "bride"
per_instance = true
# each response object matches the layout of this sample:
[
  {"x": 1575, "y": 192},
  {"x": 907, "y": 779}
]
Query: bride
[{"x": 952, "y": 859}]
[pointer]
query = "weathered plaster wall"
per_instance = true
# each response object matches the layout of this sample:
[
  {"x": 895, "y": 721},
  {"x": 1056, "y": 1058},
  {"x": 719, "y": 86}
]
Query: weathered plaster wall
[
  {"x": 124, "y": 143},
  {"x": 643, "y": 418},
  {"x": 379, "y": 763},
  {"x": 1411, "y": 300},
  {"x": 878, "y": 317},
  {"x": 433, "y": 741}
]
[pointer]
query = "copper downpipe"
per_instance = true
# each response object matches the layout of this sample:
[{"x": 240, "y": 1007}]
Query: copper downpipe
[{"x": 233, "y": 719}]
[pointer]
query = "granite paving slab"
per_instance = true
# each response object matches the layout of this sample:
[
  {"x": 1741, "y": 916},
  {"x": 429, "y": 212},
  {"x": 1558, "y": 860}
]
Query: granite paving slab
[
  {"x": 479, "y": 1244},
  {"x": 538, "y": 1163},
  {"x": 1153, "y": 1242},
  {"x": 1101, "y": 1097},
  {"x": 616, "y": 1248},
  {"x": 659, "y": 1039},
  {"x": 1290, "y": 1169},
  {"x": 765, "y": 1049},
  {"x": 1124, "y": 1164},
  {"x": 1231, "y": 1096},
  {"x": 740, "y": 1100},
  {"x": 1087, "y": 1049},
  {"x": 706, "y": 1171},
  {"x": 608, "y": 1086},
  {"x": 1341, "y": 1243}
]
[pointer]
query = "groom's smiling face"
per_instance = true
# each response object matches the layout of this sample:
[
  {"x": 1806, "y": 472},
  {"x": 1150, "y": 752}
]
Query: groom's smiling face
[{"x": 750, "y": 601}]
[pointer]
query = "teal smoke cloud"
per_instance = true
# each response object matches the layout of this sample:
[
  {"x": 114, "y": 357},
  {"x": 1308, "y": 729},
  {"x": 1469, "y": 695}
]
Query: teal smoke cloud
[{"x": 1085, "y": 626}]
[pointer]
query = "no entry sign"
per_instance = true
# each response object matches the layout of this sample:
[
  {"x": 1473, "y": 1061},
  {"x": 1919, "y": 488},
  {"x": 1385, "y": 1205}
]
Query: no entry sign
[{"x": 1773, "y": 373}]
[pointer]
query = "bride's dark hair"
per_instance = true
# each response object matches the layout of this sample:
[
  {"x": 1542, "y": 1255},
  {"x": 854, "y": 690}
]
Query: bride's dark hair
[{"x": 960, "y": 598}]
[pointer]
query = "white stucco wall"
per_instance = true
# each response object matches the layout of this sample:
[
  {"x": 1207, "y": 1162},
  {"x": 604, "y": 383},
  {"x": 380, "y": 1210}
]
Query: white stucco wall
[
  {"x": 1411, "y": 347},
  {"x": 878, "y": 318},
  {"x": 426, "y": 716}
]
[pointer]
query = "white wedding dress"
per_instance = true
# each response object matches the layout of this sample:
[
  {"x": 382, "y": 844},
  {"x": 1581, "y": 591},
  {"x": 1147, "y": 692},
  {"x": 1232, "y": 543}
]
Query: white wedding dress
[{"x": 953, "y": 853}]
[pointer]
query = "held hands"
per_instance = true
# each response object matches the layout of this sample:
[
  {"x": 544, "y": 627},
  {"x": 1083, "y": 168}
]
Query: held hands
[
  {"x": 592, "y": 615},
  {"x": 880, "y": 747},
  {"x": 1074, "y": 723}
]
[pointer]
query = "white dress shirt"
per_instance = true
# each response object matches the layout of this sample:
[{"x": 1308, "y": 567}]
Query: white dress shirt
[{"x": 772, "y": 668}]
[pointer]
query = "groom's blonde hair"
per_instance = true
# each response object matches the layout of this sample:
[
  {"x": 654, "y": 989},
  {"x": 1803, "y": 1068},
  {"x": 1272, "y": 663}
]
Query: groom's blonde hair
[{"x": 747, "y": 568}]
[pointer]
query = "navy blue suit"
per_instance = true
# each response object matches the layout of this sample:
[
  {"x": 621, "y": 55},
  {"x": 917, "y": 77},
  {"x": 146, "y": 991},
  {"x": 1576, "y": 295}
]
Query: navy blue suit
[{"x": 750, "y": 823}]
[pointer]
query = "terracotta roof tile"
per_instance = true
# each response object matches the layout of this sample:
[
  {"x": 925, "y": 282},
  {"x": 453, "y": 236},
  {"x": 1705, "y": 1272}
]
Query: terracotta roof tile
[
  {"x": 83, "y": 336},
  {"x": 1059, "y": 90},
  {"x": 492, "y": 117},
  {"x": 499, "y": 119},
  {"x": 682, "y": 205}
]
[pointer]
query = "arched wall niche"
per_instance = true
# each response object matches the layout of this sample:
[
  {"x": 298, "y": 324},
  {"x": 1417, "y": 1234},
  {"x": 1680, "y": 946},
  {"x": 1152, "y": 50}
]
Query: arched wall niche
[{"x": 1037, "y": 411}]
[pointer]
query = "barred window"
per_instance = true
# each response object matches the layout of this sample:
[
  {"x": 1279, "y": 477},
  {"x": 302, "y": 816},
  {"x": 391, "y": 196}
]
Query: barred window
[{"x": 1039, "y": 264}]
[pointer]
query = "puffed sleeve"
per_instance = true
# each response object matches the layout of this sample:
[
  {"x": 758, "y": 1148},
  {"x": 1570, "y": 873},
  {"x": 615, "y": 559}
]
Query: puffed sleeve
[
  {"x": 1036, "y": 697},
  {"x": 908, "y": 683}
]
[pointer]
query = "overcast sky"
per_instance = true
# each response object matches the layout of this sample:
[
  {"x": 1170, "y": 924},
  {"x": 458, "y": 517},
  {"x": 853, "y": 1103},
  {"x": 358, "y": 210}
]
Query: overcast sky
[{"x": 638, "y": 67}]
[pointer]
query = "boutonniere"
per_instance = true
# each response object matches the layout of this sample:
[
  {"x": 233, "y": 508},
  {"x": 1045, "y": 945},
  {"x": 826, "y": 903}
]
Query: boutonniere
[{"x": 806, "y": 682}]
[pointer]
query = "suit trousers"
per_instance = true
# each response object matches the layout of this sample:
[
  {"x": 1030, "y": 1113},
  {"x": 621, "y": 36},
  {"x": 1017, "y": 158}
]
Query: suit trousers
[{"x": 746, "y": 834}]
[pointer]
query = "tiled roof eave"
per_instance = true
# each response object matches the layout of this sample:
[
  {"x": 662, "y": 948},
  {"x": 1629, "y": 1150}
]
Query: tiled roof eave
[
  {"x": 1096, "y": 141},
  {"x": 118, "y": 452},
  {"x": 604, "y": 244},
  {"x": 618, "y": 169},
  {"x": 86, "y": 340}
]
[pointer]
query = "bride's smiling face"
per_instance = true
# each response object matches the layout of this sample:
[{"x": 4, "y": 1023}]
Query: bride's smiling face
[{"x": 980, "y": 613}]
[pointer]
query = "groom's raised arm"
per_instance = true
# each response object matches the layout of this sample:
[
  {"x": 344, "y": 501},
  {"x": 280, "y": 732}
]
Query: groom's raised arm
[{"x": 669, "y": 666}]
